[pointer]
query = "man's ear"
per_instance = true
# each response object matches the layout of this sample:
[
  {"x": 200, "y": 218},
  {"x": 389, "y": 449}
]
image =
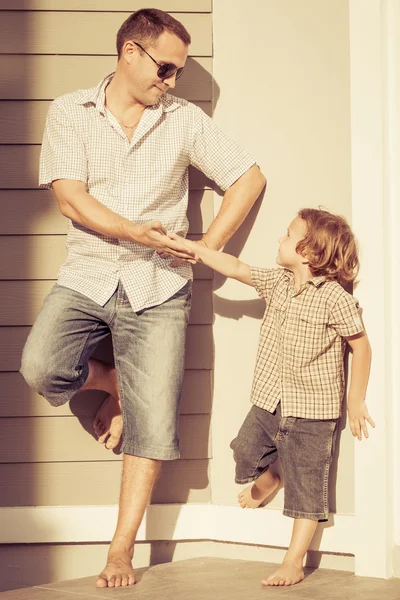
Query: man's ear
[{"x": 128, "y": 50}]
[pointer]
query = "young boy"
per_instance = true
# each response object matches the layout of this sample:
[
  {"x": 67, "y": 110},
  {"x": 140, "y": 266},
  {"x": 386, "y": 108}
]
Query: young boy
[{"x": 298, "y": 382}]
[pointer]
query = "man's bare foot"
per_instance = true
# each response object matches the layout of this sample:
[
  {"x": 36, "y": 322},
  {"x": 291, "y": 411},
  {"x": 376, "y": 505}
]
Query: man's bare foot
[
  {"x": 255, "y": 494},
  {"x": 288, "y": 573},
  {"x": 118, "y": 571},
  {"x": 107, "y": 423}
]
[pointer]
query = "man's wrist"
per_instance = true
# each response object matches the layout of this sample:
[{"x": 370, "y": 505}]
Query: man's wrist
[
  {"x": 134, "y": 232},
  {"x": 208, "y": 244}
]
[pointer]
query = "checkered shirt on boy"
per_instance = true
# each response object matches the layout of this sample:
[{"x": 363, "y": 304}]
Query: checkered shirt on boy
[{"x": 300, "y": 359}]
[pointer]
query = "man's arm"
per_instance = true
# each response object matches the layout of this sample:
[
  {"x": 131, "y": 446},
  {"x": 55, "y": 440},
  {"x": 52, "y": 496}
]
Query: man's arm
[
  {"x": 79, "y": 206},
  {"x": 360, "y": 368},
  {"x": 237, "y": 202}
]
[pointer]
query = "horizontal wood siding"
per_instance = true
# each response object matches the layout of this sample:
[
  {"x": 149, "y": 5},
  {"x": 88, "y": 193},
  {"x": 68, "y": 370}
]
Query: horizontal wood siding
[
  {"x": 46, "y": 76},
  {"x": 22, "y": 121},
  {"x": 19, "y": 168},
  {"x": 18, "y": 400},
  {"x": 49, "y": 48},
  {"x": 197, "y": 6},
  {"x": 80, "y": 483},
  {"x": 89, "y": 33},
  {"x": 53, "y": 437},
  {"x": 35, "y": 212}
]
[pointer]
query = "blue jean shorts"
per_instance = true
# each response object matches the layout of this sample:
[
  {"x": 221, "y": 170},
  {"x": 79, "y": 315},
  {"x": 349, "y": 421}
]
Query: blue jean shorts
[
  {"x": 305, "y": 448},
  {"x": 149, "y": 353}
]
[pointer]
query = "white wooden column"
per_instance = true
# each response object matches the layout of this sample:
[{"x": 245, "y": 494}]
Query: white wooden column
[{"x": 373, "y": 202}]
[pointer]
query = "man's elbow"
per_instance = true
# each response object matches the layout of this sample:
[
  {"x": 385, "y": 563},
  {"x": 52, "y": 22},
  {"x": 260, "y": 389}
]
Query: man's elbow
[
  {"x": 260, "y": 180},
  {"x": 65, "y": 207}
]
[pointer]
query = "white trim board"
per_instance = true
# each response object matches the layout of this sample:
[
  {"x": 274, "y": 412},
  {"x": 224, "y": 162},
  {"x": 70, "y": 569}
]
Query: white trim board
[
  {"x": 373, "y": 103},
  {"x": 79, "y": 524}
]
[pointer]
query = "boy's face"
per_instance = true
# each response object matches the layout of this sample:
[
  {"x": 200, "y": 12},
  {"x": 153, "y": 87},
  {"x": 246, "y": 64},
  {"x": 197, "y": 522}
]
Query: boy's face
[{"x": 287, "y": 255}]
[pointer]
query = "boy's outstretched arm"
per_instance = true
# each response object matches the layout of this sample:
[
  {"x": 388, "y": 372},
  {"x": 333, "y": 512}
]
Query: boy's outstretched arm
[
  {"x": 360, "y": 368},
  {"x": 228, "y": 265}
]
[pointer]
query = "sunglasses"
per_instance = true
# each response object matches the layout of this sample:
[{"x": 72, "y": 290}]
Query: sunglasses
[{"x": 166, "y": 70}]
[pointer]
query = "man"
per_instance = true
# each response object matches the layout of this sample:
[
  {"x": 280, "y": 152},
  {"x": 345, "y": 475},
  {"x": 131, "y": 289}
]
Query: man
[{"x": 117, "y": 157}]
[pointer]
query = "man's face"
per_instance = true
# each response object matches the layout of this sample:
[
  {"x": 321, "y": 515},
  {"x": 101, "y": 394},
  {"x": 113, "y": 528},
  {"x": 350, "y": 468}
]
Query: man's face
[{"x": 143, "y": 82}]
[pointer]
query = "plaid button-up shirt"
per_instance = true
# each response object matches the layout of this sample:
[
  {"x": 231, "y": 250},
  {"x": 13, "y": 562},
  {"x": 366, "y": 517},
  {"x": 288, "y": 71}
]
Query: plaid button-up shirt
[
  {"x": 143, "y": 180},
  {"x": 300, "y": 359}
]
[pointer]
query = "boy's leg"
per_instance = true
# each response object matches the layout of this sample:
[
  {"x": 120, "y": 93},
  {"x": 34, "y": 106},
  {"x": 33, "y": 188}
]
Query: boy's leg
[
  {"x": 305, "y": 448},
  {"x": 254, "y": 495},
  {"x": 291, "y": 571},
  {"x": 254, "y": 451}
]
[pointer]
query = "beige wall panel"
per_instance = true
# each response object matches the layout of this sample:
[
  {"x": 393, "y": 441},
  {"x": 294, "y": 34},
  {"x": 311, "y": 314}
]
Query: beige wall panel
[
  {"x": 36, "y": 212},
  {"x": 199, "y": 347},
  {"x": 302, "y": 144},
  {"x": 32, "y": 257},
  {"x": 96, "y": 483},
  {"x": 84, "y": 32},
  {"x": 107, "y": 5},
  {"x": 46, "y": 77},
  {"x": 23, "y": 121},
  {"x": 18, "y": 400},
  {"x": 22, "y": 301},
  {"x": 40, "y": 257},
  {"x": 19, "y": 167},
  {"x": 49, "y": 439}
]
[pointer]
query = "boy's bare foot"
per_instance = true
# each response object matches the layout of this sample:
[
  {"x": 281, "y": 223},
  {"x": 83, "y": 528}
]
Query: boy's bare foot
[
  {"x": 107, "y": 423},
  {"x": 255, "y": 494},
  {"x": 118, "y": 571},
  {"x": 288, "y": 573}
]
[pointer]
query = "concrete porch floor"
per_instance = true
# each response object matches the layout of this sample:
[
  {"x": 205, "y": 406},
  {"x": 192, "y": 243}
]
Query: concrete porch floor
[{"x": 217, "y": 579}]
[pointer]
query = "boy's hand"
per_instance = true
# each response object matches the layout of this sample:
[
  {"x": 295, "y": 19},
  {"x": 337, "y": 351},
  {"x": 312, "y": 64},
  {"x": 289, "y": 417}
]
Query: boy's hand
[
  {"x": 358, "y": 418},
  {"x": 188, "y": 245}
]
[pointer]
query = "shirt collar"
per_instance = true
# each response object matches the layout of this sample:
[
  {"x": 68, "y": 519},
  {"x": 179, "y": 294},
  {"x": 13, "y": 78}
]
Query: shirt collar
[
  {"x": 316, "y": 281},
  {"x": 96, "y": 96}
]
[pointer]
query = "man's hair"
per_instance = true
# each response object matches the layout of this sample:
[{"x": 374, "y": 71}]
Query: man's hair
[
  {"x": 329, "y": 246},
  {"x": 146, "y": 25}
]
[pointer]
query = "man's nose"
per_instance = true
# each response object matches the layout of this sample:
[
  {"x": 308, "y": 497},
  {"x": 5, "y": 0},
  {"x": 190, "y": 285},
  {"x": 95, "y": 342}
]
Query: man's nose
[{"x": 171, "y": 81}]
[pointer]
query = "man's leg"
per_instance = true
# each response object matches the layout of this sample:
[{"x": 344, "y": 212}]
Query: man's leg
[
  {"x": 139, "y": 476},
  {"x": 149, "y": 359},
  {"x": 291, "y": 571},
  {"x": 107, "y": 423},
  {"x": 67, "y": 330}
]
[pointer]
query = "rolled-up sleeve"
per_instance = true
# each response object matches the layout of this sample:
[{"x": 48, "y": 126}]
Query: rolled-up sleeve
[
  {"x": 345, "y": 316},
  {"x": 213, "y": 153},
  {"x": 63, "y": 154},
  {"x": 264, "y": 280}
]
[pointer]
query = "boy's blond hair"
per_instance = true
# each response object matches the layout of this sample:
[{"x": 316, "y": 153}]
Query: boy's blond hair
[{"x": 329, "y": 246}]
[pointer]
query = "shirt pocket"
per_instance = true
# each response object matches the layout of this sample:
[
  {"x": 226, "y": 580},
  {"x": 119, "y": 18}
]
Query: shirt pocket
[{"x": 313, "y": 336}]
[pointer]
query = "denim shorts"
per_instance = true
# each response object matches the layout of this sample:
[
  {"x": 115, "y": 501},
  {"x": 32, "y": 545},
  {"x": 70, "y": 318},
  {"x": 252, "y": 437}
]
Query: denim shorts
[
  {"x": 305, "y": 448},
  {"x": 149, "y": 353}
]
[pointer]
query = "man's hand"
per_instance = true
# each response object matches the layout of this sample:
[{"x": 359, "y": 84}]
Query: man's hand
[
  {"x": 358, "y": 418},
  {"x": 155, "y": 236}
]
